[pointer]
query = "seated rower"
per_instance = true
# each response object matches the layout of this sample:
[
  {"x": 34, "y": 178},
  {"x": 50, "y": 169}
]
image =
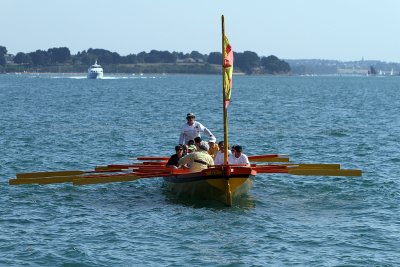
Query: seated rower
[
  {"x": 174, "y": 159},
  {"x": 238, "y": 158},
  {"x": 219, "y": 158},
  {"x": 213, "y": 147},
  {"x": 185, "y": 149},
  {"x": 198, "y": 160},
  {"x": 190, "y": 142},
  {"x": 192, "y": 149},
  {"x": 197, "y": 141}
]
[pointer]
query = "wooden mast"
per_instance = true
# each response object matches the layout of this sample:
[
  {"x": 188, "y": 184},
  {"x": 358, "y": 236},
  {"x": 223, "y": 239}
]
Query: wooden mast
[
  {"x": 225, "y": 112},
  {"x": 228, "y": 192}
]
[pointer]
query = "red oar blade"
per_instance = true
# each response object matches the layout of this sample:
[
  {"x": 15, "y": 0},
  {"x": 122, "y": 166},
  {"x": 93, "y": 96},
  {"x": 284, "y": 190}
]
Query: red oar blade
[{"x": 269, "y": 158}]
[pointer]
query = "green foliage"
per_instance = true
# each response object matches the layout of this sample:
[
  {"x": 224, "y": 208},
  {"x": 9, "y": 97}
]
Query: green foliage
[
  {"x": 3, "y": 52},
  {"x": 22, "y": 58},
  {"x": 273, "y": 65},
  {"x": 40, "y": 58},
  {"x": 103, "y": 56},
  {"x": 129, "y": 59},
  {"x": 215, "y": 58},
  {"x": 198, "y": 57},
  {"x": 165, "y": 68},
  {"x": 60, "y": 59},
  {"x": 247, "y": 61},
  {"x": 59, "y": 55},
  {"x": 156, "y": 57}
]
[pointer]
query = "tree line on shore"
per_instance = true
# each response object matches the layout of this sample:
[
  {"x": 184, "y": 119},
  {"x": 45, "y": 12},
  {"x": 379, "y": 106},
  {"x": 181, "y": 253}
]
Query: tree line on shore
[{"x": 60, "y": 58}]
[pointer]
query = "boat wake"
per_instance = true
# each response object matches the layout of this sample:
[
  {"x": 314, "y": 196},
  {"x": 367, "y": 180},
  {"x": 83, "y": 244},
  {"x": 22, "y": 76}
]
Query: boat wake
[
  {"x": 127, "y": 77},
  {"x": 108, "y": 78}
]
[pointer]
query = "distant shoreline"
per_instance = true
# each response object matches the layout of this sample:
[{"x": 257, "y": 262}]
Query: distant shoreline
[
  {"x": 60, "y": 60},
  {"x": 298, "y": 67}
]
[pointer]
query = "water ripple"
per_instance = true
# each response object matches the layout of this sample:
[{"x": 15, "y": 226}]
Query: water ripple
[{"x": 55, "y": 124}]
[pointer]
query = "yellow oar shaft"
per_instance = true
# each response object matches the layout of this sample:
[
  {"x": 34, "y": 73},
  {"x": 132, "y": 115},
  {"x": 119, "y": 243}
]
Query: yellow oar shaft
[
  {"x": 48, "y": 174},
  {"x": 76, "y": 180},
  {"x": 42, "y": 180},
  {"x": 104, "y": 179},
  {"x": 325, "y": 172},
  {"x": 313, "y": 166},
  {"x": 36, "y": 175}
]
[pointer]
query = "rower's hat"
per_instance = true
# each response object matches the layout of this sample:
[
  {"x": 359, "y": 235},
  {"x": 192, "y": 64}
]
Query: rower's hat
[
  {"x": 190, "y": 115},
  {"x": 212, "y": 139},
  {"x": 204, "y": 146},
  {"x": 192, "y": 148},
  {"x": 238, "y": 148}
]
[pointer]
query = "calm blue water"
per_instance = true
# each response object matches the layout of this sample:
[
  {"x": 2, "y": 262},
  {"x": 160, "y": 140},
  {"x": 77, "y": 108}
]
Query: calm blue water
[{"x": 59, "y": 122}]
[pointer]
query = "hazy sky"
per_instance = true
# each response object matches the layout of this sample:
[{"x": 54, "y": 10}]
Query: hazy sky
[{"x": 288, "y": 29}]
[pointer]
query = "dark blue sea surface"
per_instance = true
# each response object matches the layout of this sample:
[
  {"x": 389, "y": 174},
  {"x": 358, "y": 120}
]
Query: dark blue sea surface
[{"x": 61, "y": 122}]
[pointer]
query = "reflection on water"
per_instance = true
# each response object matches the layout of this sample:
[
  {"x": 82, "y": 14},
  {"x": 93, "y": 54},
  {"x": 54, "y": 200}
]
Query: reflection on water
[{"x": 242, "y": 202}]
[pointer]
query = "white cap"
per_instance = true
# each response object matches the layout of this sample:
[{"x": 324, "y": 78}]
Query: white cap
[
  {"x": 212, "y": 139},
  {"x": 204, "y": 146}
]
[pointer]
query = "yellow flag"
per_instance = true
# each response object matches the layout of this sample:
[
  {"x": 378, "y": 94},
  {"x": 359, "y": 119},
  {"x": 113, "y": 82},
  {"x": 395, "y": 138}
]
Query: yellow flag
[{"x": 228, "y": 70}]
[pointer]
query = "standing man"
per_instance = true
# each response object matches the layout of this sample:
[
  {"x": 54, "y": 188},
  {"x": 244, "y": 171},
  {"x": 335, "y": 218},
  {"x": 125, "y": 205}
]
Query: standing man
[{"x": 192, "y": 129}]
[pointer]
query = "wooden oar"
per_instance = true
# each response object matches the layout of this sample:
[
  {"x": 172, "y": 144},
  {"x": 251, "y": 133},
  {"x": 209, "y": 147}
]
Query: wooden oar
[
  {"x": 54, "y": 177},
  {"x": 42, "y": 180},
  {"x": 151, "y": 158},
  {"x": 117, "y": 167},
  {"x": 154, "y": 175},
  {"x": 271, "y": 170},
  {"x": 313, "y": 166},
  {"x": 53, "y": 174},
  {"x": 48, "y": 174},
  {"x": 108, "y": 169},
  {"x": 269, "y": 158},
  {"x": 260, "y": 168},
  {"x": 324, "y": 172},
  {"x": 255, "y": 158},
  {"x": 99, "y": 179}
]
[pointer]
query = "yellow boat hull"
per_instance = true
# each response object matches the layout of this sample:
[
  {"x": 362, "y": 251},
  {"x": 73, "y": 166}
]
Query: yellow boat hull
[{"x": 221, "y": 183}]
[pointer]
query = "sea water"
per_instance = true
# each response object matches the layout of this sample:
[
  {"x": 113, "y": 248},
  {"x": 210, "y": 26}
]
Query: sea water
[{"x": 64, "y": 122}]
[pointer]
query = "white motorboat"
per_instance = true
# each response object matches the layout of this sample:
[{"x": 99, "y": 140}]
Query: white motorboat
[{"x": 95, "y": 71}]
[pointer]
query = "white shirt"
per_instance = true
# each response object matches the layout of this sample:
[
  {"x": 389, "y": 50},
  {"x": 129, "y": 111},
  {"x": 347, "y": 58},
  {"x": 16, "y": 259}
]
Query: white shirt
[
  {"x": 242, "y": 160},
  {"x": 219, "y": 158},
  {"x": 190, "y": 132}
]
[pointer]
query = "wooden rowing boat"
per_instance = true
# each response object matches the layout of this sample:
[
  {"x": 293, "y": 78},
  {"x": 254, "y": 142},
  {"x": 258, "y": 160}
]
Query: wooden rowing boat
[
  {"x": 219, "y": 182},
  {"x": 223, "y": 182}
]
